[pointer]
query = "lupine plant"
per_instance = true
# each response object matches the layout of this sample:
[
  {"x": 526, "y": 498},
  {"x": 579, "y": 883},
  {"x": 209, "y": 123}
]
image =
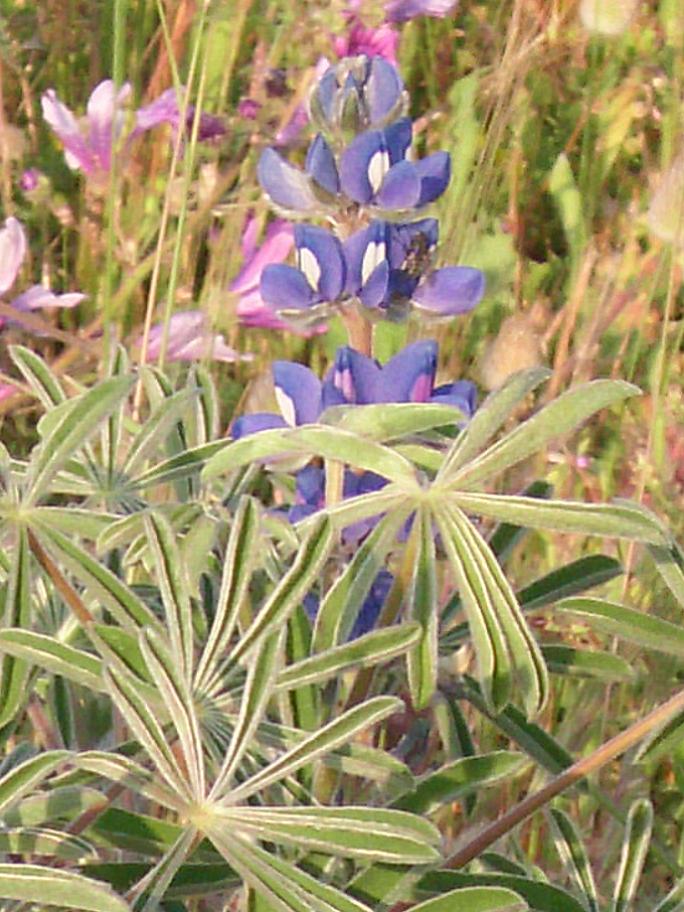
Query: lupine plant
[{"x": 259, "y": 661}]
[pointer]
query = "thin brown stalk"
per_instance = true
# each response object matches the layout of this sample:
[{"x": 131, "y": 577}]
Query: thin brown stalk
[{"x": 60, "y": 582}]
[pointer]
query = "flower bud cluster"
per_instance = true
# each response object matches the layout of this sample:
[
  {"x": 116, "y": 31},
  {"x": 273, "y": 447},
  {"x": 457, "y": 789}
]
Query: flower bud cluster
[{"x": 359, "y": 176}]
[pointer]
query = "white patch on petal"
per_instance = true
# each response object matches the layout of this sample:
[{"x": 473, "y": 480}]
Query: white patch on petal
[
  {"x": 286, "y": 406},
  {"x": 374, "y": 255},
  {"x": 309, "y": 265},
  {"x": 378, "y": 167}
]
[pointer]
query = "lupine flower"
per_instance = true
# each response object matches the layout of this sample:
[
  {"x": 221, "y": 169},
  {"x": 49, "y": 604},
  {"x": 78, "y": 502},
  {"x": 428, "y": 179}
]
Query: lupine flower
[
  {"x": 88, "y": 143},
  {"x": 299, "y": 192},
  {"x": 318, "y": 280},
  {"x": 189, "y": 339},
  {"x": 12, "y": 253},
  {"x": 401, "y": 10},
  {"x": 359, "y": 93},
  {"x": 276, "y": 246}
]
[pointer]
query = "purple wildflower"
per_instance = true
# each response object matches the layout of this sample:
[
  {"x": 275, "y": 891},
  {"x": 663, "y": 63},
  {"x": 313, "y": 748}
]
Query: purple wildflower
[
  {"x": 12, "y": 253},
  {"x": 362, "y": 39},
  {"x": 189, "y": 340},
  {"x": 402, "y": 10}
]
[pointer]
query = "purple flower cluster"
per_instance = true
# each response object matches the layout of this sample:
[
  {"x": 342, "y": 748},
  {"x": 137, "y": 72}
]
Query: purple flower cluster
[{"x": 359, "y": 175}]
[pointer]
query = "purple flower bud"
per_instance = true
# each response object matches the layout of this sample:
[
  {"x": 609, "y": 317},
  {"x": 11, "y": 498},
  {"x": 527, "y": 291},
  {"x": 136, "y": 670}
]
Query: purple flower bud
[{"x": 30, "y": 179}]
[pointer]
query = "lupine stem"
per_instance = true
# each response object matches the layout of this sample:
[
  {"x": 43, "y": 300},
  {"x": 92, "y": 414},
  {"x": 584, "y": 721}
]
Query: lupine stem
[{"x": 359, "y": 330}]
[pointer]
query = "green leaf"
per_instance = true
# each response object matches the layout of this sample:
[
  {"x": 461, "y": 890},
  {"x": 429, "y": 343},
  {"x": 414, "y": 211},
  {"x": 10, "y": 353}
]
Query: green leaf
[
  {"x": 540, "y": 896},
  {"x": 175, "y": 691},
  {"x": 340, "y": 731},
  {"x": 474, "y": 899},
  {"x": 391, "y": 419},
  {"x": 156, "y": 429},
  {"x": 238, "y": 563},
  {"x": 178, "y": 467},
  {"x": 55, "y": 657},
  {"x": 674, "y": 901},
  {"x": 458, "y": 778},
  {"x": 627, "y": 624},
  {"x": 25, "y": 777},
  {"x": 574, "y": 857},
  {"x": 557, "y": 418},
  {"x": 71, "y": 520},
  {"x": 620, "y": 519},
  {"x": 291, "y": 590},
  {"x": 82, "y": 419},
  {"x": 174, "y": 587},
  {"x": 369, "y": 834},
  {"x": 582, "y": 663},
  {"x": 345, "y": 597},
  {"x": 373, "y": 648},
  {"x": 422, "y": 605},
  {"x": 39, "y": 376},
  {"x": 567, "y": 197},
  {"x": 43, "y": 841},
  {"x": 129, "y": 774},
  {"x": 634, "y": 849},
  {"x": 264, "y": 667},
  {"x": 64, "y": 802},
  {"x": 33, "y": 884},
  {"x": 146, "y": 728},
  {"x": 501, "y": 636},
  {"x": 669, "y": 562},
  {"x": 662, "y": 742},
  {"x": 326, "y": 442},
  {"x": 489, "y": 418},
  {"x": 118, "y": 366},
  {"x": 14, "y": 672},
  {"x": 114, "y": 595}
]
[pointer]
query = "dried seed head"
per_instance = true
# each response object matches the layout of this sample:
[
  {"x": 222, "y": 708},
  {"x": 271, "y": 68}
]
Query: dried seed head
[
  {"x": 607, "y": 17},
  {"x": 517, "y": 347}
]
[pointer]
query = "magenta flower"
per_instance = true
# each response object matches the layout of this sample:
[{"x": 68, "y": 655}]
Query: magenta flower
[
  {"x": 189, "y": 339},
  {"x": 12, "y": 252},
  {"x": 88, "y": 142},
  {"x": 401, "y": 10},
  {"x": 276, "y": 247},
  {"x": 361, "y": 39}
]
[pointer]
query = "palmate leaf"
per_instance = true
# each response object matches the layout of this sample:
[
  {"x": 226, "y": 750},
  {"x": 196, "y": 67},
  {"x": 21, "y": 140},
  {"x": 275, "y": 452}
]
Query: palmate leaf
[
  {"x": 372, "y": 648},
  {"x": 118, "y": 365},
  {"x": 503, "y": 643},
  {"x": 391, "y": 419},
  {"x": 129, "y": 774},
  {"x": 38, "y": 375},
  {"x": 50, "y": 654},
  {"x": 238, "y": 563},
  {"x": 490, "y": 417},
  {"x": 264, "y": 667},
  {"x": 474, "y": 899},
  {"x": 368, "y": 834},
  {"x": 541, "y": 897},
  {"x": 458, "y": 778},
  {"x": 173, "y": 585},
  {"x": 82, "y": 418},
  {"x": 574, "y": 856},
  {"x": 34, "y": 884},
  {"x": 634, "y": 849},
  {"x": 559, "y": 417},
  {"x": 14, "y": 672},
  {"x": 24, "y": 778},
  {"x": 583, "y": 663},
  {"x": 284, "y": 886},
  {"x": 157, "y": 427},
  {"x": 44, "y": 841},
  {"x": 422, "y": 603},
  {"x": 175, "y": 691},
  {"x": 340, "y": 731},
  {"x": 314, "y": 440}
]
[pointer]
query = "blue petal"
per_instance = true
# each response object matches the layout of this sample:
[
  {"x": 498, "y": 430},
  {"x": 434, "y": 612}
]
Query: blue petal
[
  {"x": 285, "y": 288},
  {"x": 310, "y": 484},
  {"x": 321, "y": 167},
  {"x": 355, "y": 376},
  {"x": 461, "y": 393},
  {"x": 410, "y": 375},
  {"x": 373, "y": 603},
  {"x": 252, "y": 424},
  {"x": 298, "y": 391},
  {"x": 354, "y": 249},
  {"x": 376, "y": 291},
  {"x": 401, "y": 188},
  {"x": 363, "y": 164},
  {"x": 397, "y": 139},
  {"x": 330, "y": 394},
  {"x": 449, "y": 291},
  {"x": 285, "y": 185},
  {"x": 383, "y": 90},
  {"x": 434, "y": 173},
  {"x": 325, "y": 93},
  {"x": 320, "y": 258},
  {"x": 412, "y": 242}
]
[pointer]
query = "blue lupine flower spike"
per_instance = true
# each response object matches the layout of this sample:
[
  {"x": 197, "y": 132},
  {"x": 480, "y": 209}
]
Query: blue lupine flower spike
[{"x": 357, "y": 94}]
